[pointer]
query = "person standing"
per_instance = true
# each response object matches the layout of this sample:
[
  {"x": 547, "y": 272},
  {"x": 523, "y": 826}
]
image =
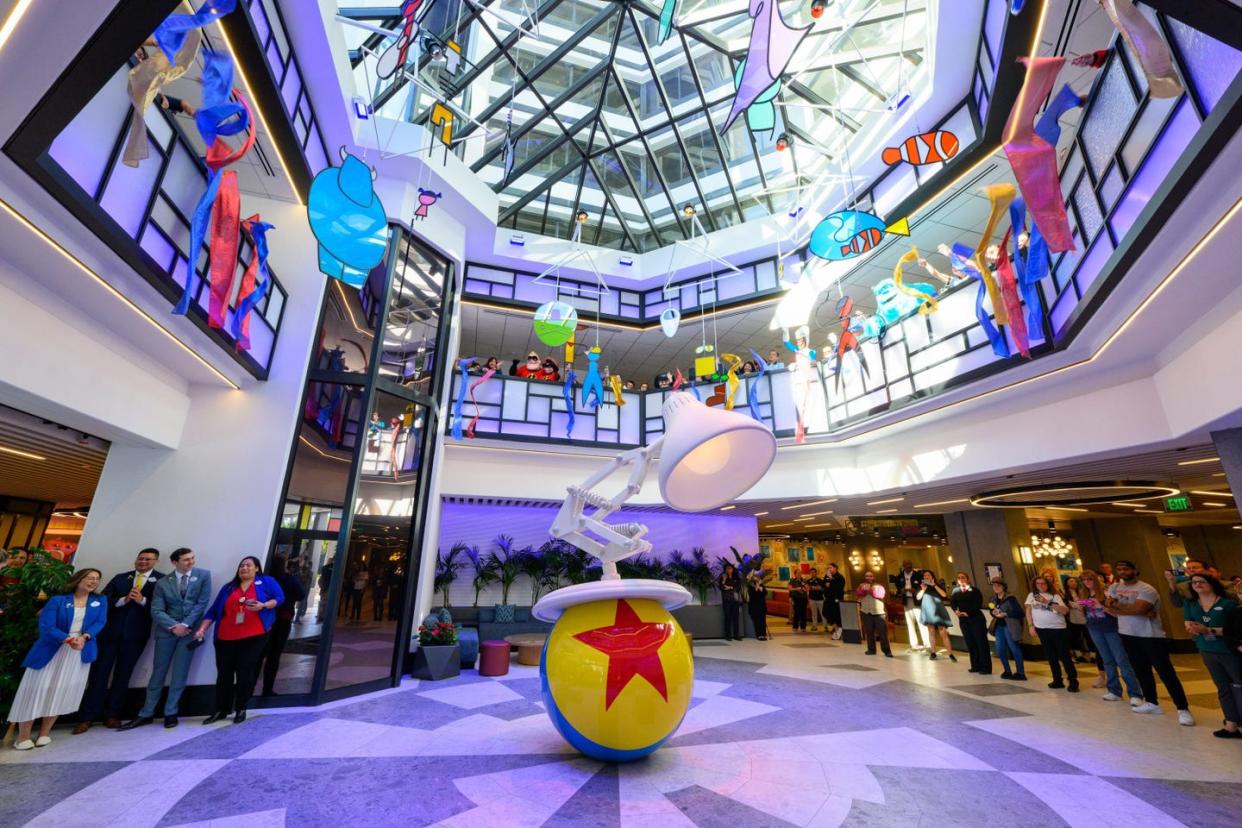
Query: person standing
[
  {"x": 967, "y": 604},
  {"x": 834, "y": 593},
  {"x": 1046, "y": 612},
  {"x": 871, "y": 612},
  {"x": 358, "y": 587},
  {"x": 730, "y": 585},
  {"x": 379, "y": 589},
  {"x": 324, "y": 584},
  {"x": 934, "y": 614},
  {"x": 815, "y": 601},
  {"x": 1006, "y": 627},
  {"x": 244, "y": 610},
  {"x": 1206, "y": 616},
  {"x": 58, "y": 665},
  {"x": 1136, "y": 606},
  {"x": 798, "y": 602},
  {"x": 176, "y": 608},
  {"x": 906, "y": 584},
  {"x": 757, "y": 604},
  {"x": 1079, "y": 641},
  {"x": 278, "y": 637},
  {"x": 1102, "y": 628},
  {"x": 121, "y": 642},
  {"x": 1179, "y": 585}
]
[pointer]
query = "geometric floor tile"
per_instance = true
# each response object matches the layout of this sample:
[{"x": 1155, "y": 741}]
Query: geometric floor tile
[
  {"x": 860, "y": 668},
  {"x": 988, "y": 690}
]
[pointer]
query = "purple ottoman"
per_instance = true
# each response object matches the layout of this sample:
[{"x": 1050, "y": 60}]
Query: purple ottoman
[{"x": 494, "y": 658}]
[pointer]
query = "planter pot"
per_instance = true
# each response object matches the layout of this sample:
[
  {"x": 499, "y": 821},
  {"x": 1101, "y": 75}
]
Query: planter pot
[{"x": 437, "y": 662}]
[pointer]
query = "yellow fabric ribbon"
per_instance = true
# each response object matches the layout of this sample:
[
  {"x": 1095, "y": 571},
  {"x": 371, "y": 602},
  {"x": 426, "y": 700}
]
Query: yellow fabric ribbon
[
  {"x": 927, "y": 304},
  {"x": 614, "y": 382},
  {"x": 1001, "y": 196},
  {"x": 731, "y": 381}
]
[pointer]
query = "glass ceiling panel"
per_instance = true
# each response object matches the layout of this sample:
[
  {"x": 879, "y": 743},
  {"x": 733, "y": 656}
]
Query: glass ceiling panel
[{"x": 648, "y": 115}]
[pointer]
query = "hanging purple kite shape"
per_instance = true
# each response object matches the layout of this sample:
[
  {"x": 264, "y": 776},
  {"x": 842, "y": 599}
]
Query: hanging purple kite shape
[{"x": 772, "y": 45}]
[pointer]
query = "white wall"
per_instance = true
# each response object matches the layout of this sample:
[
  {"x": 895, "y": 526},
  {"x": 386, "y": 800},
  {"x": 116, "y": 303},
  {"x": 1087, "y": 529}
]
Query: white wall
[{"x": 218, "y": 490}]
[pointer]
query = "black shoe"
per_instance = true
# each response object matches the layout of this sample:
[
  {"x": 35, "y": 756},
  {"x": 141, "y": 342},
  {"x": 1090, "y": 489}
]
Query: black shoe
[
  {"x": 1227, "y": 734},
  {"x": 1056, "y": 685},
  {"x": 240, "y": 717},
  {"x": 888, "y": 654},
  {"x": 953, "y": 658},
  {"x": 869, "y": 652},
  {"x": 215, "y": 717},
  {"x": 1073, "y": 687},
  {"x": 1006, "y": 675},
  {"x": 1019, "y": 676},
  {"x": 972, "y": 670},
  {"x": 932, "y": 657},
  {"x": 170, "y": 722},
  {"x": 138, "y": 722}
]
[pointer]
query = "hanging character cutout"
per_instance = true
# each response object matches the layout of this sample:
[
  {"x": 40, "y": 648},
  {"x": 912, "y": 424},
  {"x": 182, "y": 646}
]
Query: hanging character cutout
[
  {"x": 348, "y": 220},
  {"x": 394, "y": 58},
  {"x": 770, "y": 49},
  {"x": 593, "y": 384},
  {"x": 217, "y": 216},
  {"x": 847, "y": 341},
  {"x": 426, "y": 198},
  {"x": 731, "y": 381},
  {"x": 804, "y": 375}
]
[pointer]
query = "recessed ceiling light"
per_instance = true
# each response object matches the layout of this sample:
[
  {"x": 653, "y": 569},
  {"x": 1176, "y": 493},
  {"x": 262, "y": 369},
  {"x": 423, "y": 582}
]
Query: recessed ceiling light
[
  {"x": 812, "y": 503},
  {"x": 1197, "y": 462},
  {"x": 816, "y": 525},
  {"x": 1147, "y": 512},
  {"x": 6, "y": 30},
  {"x": 1215, "y": 505},
  {"x": 942, "y": 503},
  {"x": 884, "y": 511},
  {"x": 1212, "y": 494},
  {"x": 1218, "y": 474},
  {"x": 760, "y": 514},
  {"x": 886, "y": 500},
  {"x": 18, "y": 452},
  {"x": 817, "y": 514},
  {"x": 727, "y": 508},
  {"x": 799, "y": 520}
]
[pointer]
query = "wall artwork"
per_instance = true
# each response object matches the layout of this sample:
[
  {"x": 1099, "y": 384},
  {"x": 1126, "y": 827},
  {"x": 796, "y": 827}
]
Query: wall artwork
[
  {"x": 992, "y": 570},
  {"x": 810, "y": 553},
  {"x": 782, "y": 573},
  {"x": 794, "y": 554}
]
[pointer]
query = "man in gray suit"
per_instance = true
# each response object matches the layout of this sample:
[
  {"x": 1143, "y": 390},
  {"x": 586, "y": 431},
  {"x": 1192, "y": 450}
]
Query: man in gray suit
[{"x": 176, "y": 608}]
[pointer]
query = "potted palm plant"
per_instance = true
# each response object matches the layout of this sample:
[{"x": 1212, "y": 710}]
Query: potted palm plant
[
  {"x": 504, "y": 562},
  {"x": 447, "y": 567},
  {"x": 438, "y": 655},
  {"x": 695, "y": 573},
  {"x": 484, "y": 573},
  {"x": 534, "y": 566}
]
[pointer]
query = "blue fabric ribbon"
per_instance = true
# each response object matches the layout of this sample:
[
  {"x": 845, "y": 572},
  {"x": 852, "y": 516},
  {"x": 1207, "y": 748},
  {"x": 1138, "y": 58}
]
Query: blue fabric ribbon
[
  {"x": 1031, "y": 268},
  {"x": 568, "y": 391},
  {"x": 198, "y": 232},
  {"x": 171, "y": 34},
  {"x": 961, "y": 260},
  {"x": 258, "y": 232},
  {"x": 463, "y": 364},
  {"x": 1048, "y": 126},
  {"x": 751, "y": 402}
]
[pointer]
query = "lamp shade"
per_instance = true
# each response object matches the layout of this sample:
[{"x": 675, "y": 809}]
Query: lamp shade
[{"x": 710, "y": 456}]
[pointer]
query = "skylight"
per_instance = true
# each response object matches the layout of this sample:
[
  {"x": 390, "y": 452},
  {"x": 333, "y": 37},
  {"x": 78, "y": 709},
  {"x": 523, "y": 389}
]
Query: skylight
[{"x": 606, "y": 119}]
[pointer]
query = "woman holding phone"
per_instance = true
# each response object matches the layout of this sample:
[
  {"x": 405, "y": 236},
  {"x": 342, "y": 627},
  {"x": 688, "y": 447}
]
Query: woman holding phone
[
  {"x": 1046, "y": 611},
  {"x": 243, "y": 612}
]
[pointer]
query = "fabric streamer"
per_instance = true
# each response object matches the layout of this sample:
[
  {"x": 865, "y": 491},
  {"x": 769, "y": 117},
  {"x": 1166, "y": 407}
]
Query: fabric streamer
[
  {"x": 1031, "y": 267},
  {"x": 679, "y": 381},
  {"x": 1049, "y": 125},
  {"x": 1015, "y": 7},
  {"x": 1009, "y": 294},
  {"x": 1000, "y": 196},
  {"x": 217, "y": 216},
  {"x": 771, "y": 47},
  {"x": 477, "y": 411},
  {"x": 146, "y": 80},
  {"x": 254, "y": 281},
  {"x": 847, "y": 341},
  {"x": 567, "y": 390},
  {"x": 463, "y": 366},
  {"x": 666, "y": 21},
  {"x": 1147, "y": 45},
  {"x": 752, "y": 401},
  {"x": 731, "y": 381},
  {"x": 176, "y": 28},
  {"x": 927, "y": 304},
  {"x": 614, "y": 382},
  {"x": 1034, "y": 160},
  {"x": 962, "y": 260}
]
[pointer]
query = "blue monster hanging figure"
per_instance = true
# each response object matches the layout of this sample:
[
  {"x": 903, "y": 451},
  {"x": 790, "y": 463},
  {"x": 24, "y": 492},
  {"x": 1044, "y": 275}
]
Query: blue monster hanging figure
[{"x": 593, "y": 383}]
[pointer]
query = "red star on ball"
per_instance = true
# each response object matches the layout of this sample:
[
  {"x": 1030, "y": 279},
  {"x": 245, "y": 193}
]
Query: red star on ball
[{"x": 633, "y": 649}]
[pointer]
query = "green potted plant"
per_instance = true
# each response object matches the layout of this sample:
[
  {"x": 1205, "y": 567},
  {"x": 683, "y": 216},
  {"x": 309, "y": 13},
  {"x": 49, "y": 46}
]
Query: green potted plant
[
  {"x": 505, "y": 561},
  {"x": 695, "y": 573},
  {"x": 552, "y": 552},
  {"x": 447, "y": 567},
  {"x": 534, "y": 566},
  {"x": 20, "y": 602},
  {"x": 580, "y": 566},
  {"x": 438, "y": 655},
  {"x": 484, "y": 571}
]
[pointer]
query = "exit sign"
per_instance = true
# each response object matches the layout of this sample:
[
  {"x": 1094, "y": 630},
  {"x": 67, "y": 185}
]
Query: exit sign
[{"x": 1181, "y": 503}]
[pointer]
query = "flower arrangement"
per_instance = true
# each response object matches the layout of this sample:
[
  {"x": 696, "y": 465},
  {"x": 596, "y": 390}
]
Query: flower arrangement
[{"x": 437, "y": 634}]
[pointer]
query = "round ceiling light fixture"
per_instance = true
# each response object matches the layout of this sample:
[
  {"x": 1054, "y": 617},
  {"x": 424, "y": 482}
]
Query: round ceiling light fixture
[{"x": 1084, "y": 493}]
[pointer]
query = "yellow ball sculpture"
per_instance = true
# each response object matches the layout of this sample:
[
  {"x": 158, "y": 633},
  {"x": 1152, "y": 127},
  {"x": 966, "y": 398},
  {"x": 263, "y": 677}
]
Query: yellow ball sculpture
[{"x": 617, "y": 675}]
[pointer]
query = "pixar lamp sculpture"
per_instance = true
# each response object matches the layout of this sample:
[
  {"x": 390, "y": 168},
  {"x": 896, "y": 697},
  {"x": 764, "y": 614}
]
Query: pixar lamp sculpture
[{"x": 617, "y": 669}]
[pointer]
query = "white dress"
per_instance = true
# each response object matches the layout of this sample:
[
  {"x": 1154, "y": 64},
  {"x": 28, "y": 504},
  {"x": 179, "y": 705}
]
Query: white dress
[{"x": 57, "y": 688}]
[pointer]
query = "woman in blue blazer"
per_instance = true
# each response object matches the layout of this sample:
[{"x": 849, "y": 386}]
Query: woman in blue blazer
[
  {"x": 243, "y": 612},
  {"x": 58, "y": 665}
]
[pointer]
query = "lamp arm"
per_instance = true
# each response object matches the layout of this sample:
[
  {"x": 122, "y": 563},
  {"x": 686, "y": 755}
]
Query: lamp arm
[{"x": 607, "y": 541}]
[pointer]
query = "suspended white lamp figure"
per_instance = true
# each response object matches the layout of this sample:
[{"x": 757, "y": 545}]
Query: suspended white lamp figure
[
  {"x": 670, "y": 320},
  {"x": 617, "y": 669}
]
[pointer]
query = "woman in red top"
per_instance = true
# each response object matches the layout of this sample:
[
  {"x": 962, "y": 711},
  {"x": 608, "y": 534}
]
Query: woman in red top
[{"x": 243, "y": 611}]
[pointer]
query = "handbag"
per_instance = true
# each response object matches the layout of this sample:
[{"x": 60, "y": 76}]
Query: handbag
[{"x": 992, "y": 626}]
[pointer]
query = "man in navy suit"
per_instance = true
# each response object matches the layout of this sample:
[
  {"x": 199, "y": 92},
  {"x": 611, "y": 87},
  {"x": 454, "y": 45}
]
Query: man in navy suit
[
  {"x": 121, "y": 642},
  {"x": 176, "y": 608}
]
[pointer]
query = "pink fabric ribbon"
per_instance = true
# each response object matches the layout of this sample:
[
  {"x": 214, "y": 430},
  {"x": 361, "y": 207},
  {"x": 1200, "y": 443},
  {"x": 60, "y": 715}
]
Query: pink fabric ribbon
[{"x": 1034, "y": 160}]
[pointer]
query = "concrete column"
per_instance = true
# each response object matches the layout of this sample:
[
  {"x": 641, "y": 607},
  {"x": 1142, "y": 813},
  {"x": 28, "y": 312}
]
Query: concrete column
[
  {"x": 990, "y": 536},
  {"x": 1229, "y": 449}
]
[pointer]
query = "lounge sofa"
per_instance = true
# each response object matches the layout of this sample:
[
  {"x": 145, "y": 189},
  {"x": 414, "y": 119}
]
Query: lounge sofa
[{"x": 490, "y": 630}]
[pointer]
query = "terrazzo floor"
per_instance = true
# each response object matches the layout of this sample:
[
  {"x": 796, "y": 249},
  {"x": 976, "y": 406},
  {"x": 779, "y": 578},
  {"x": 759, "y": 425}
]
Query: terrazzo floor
[{"x": 778, "y": 734}]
